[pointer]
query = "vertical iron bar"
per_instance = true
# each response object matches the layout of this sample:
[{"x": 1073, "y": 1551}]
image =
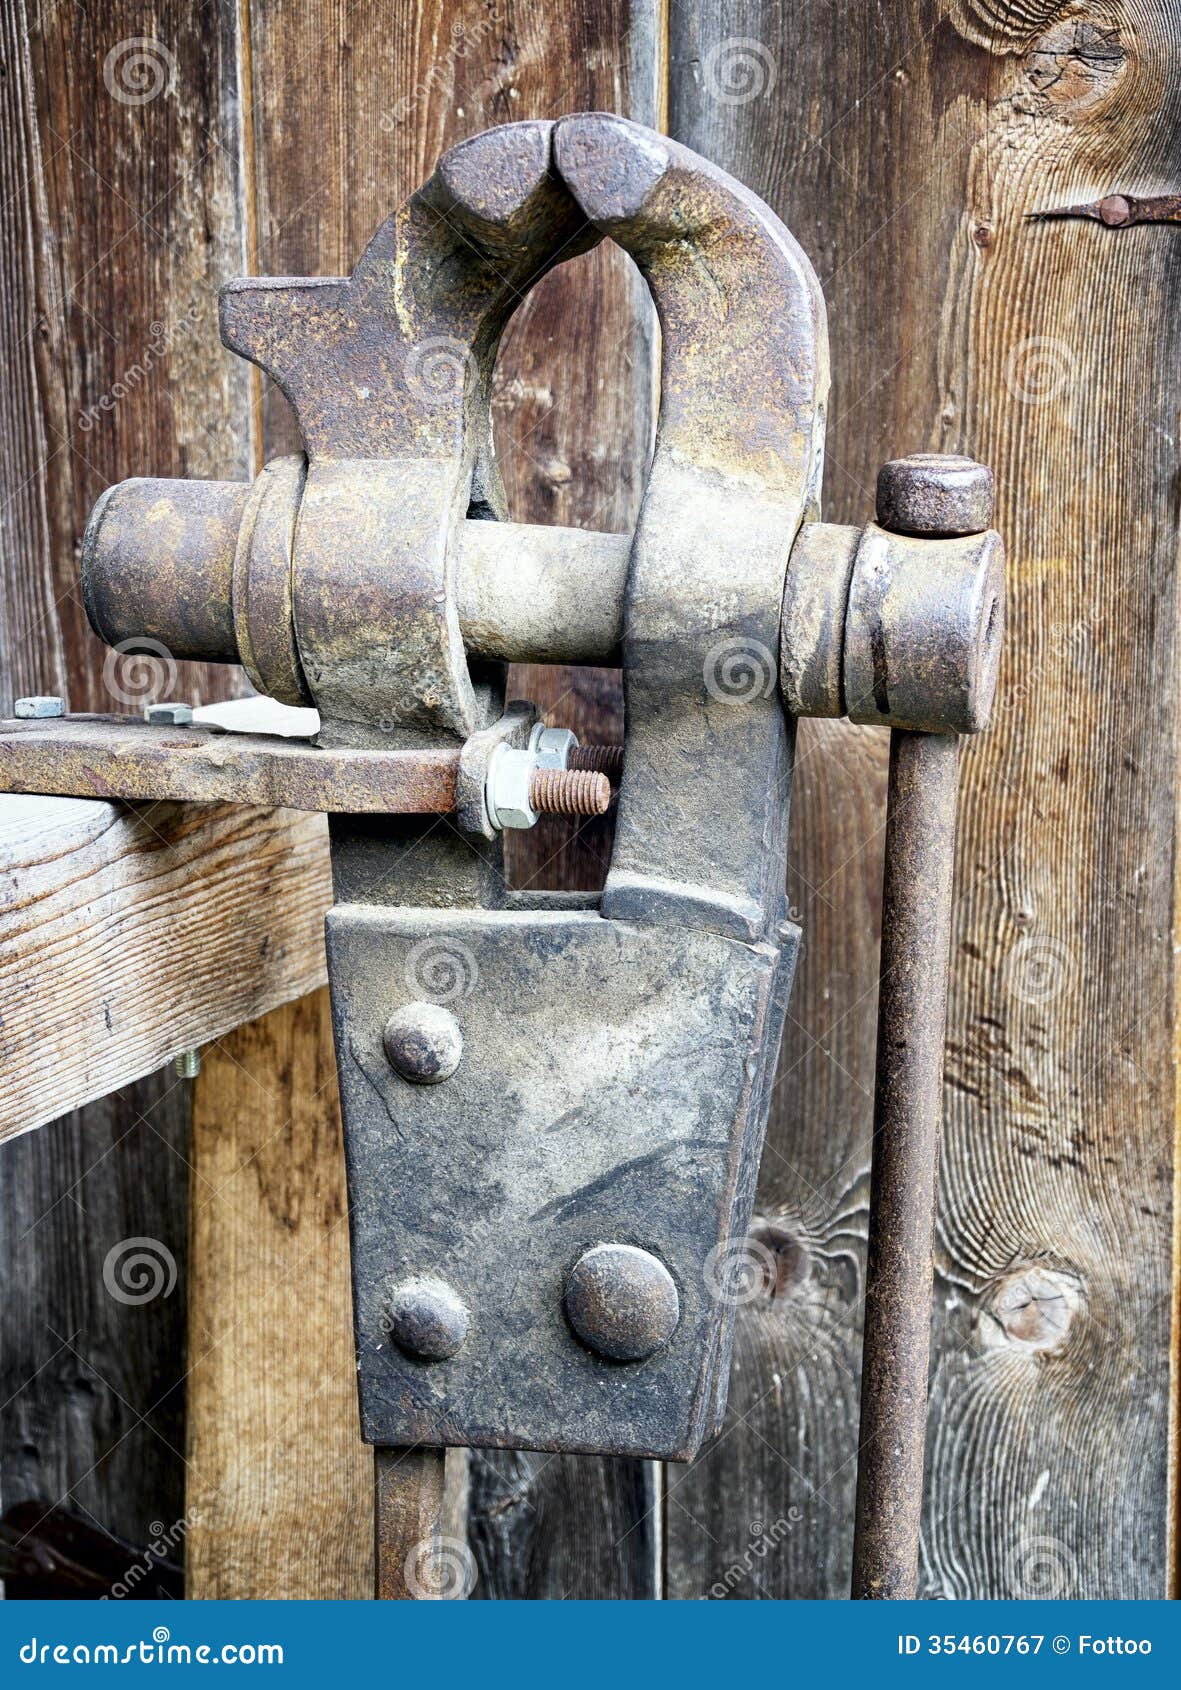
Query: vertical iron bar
[
  {"x": 912, "y": 1006},
  {"x": 408, "y": 1505}
]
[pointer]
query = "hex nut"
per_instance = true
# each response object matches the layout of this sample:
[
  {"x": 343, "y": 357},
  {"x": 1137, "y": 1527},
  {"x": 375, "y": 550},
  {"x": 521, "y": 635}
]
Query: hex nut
[
  {"x": 510, "y": 774},
  {"x": 933, "y": 493},
  {"x": 622, "y": 1302},
  {"x": 427, "y": 1319},
  {"x": 424, "y": 1043},
  {"x": 38, "y": 709},
  {"x": 168, "y": 715},
  {"x": 552, "y": 746}
]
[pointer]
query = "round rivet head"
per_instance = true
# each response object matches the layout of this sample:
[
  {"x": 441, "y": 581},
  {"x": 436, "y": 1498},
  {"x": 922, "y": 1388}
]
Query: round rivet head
[
  {"x": 934, "y": 493},
  {"x": 622, "y": 1302},
  {"x": 427, "y": 1320},
  {"x": 423, "y": 1043}
]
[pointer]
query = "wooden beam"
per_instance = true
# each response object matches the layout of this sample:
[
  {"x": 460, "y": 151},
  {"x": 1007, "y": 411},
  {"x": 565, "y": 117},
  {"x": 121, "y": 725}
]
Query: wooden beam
[{"x": 127, "y": 936}]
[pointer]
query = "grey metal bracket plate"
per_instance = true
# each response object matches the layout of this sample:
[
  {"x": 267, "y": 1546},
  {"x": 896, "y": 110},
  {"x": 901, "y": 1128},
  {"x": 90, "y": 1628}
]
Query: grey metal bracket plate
[{"x": 612, "y": 1090}]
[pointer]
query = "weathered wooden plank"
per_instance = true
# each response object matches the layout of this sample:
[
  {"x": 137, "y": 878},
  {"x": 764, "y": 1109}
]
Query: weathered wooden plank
[
  {"x": 396, "y": 87},
  {"x": 117, "y": 217},
  {"x": 904, "y": 162},
  {"x": 127, "y": 936},
  {"x": 280, "y": 1486}
]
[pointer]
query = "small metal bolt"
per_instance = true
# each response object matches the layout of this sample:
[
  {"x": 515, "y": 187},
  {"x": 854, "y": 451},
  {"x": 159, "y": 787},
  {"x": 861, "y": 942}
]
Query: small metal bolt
[
  {"x": 522, "y": 785},
  {"x": 424, "y": 1043},
  {"x": 188, "y": 1065},
  {"x": 622, "y": 1302},
  {"x": 934, "y": 494},
  {"x": 35, "y": 709},
  {"x": 169, "y": 715},
  {"x": 599, "y": 760},
  {"x": 427, "y": 1319},
  {"x": 569, "y": 792}
]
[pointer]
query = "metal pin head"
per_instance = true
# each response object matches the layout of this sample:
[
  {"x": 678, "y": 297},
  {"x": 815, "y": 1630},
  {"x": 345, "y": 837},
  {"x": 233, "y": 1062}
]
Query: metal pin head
[
  {"x": 427, "y": 1319},
  {"x": 622, "y": 1302}
]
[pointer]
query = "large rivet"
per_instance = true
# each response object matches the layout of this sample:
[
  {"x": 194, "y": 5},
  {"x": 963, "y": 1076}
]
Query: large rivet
[
  {"x": 622, "y": 1302},
  {"x": 427, "y": 1320},
  {"x": 424, "y": 1043}
]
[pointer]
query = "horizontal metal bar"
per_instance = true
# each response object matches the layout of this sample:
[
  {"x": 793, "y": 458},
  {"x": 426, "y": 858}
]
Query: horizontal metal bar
[{"x": 122, "y": 757}]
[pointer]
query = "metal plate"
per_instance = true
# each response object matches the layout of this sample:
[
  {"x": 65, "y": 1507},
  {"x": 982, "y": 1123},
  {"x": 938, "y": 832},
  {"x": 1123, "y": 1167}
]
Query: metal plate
[{"x": 612, "y": 1090}]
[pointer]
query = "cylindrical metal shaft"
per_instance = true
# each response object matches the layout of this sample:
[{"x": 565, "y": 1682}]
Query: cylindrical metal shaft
[{"x": 912, "y": 1006}]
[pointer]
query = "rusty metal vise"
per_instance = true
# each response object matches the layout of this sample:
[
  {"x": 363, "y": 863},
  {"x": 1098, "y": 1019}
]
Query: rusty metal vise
[{"x": 554, "y": 1104}]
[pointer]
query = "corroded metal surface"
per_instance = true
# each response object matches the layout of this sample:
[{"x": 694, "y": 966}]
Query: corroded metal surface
[
  {"x": 912, "y": 1002},
  {"x": 572, "y": 1175},
  {"x": 923, "y": 631},
  {"x": 744, "y": 378},
  {"x": 123, "y": 757},
  {"x": 162, "y": 553},
  {"x": 935, "y": 493},
  {"x": 1119, "y": 211},
  {"x": 908, "y": 1090},
  {"x": 581, "y": 1114}
]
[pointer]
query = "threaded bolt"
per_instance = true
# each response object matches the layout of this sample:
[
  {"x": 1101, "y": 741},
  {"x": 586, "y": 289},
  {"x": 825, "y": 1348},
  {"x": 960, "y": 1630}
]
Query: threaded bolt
[
  {"x": 188, "y": 1065},
  {"x": 600, "y": 760},
  {"x": 569, "y": 792}
]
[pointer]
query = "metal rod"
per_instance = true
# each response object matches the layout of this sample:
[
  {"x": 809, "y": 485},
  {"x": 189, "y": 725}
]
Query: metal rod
[
  {"x": 912, "y": 1008},
  {"x": 407, "y": 1512}
]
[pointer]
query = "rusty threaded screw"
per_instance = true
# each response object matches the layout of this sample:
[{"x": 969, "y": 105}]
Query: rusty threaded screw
[
  {"x": 569, "y": 792},
  {"x": 600, "y": 760}
]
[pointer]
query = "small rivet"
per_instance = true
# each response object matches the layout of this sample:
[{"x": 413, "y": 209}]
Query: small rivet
[
  {"x": 424, "y": 1043},
  {"x": 622, "y": 1302},
  {"x": 426, "y": 1319},
  {"x": 38, "y": 709}
]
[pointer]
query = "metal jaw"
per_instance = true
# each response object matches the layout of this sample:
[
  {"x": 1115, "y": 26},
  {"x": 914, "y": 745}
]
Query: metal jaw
[{"x": 611, "y": 1096}]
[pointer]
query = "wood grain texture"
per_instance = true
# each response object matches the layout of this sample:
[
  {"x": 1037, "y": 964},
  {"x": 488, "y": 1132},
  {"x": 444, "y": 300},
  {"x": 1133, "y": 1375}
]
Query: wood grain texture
[
  {"x": 280, "y": 1486},
  {"x": 227, "y": 903},
  {"x": 904, "y": 162},
  {"x": 375, "y": 96},
  {"x": 116, "y": 221}
]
